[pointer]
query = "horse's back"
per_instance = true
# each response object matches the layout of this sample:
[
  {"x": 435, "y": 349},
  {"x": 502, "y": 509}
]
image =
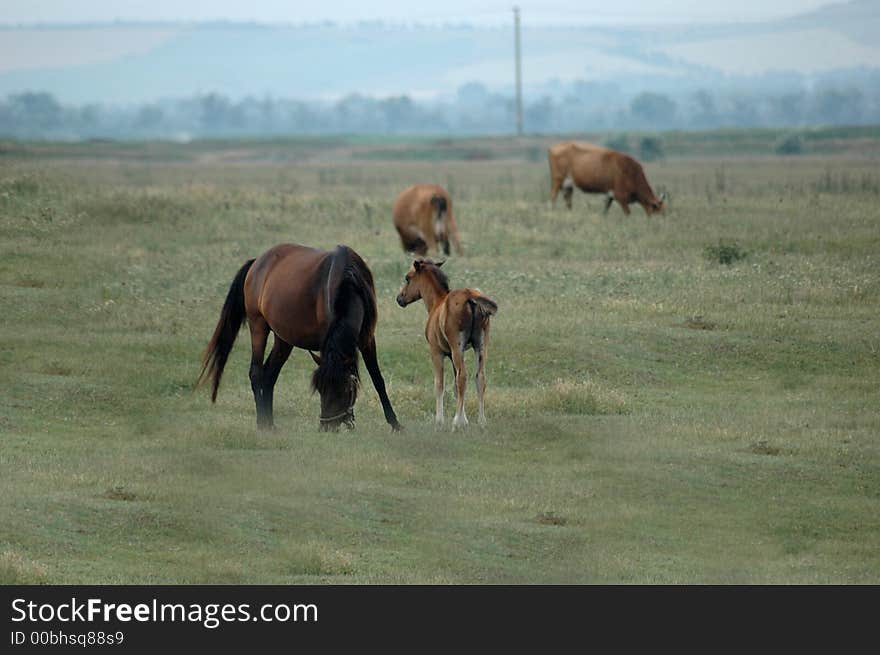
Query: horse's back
[
  {"x": 467, "y": 312},
  {"x": 283, "y": 287}
]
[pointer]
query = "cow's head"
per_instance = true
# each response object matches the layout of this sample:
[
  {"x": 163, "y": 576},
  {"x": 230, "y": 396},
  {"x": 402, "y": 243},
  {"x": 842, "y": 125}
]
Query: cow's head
[{"x": 659, "y": 205}]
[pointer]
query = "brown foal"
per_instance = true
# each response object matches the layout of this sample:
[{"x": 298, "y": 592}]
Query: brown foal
[{"x": 457, "y": 320}]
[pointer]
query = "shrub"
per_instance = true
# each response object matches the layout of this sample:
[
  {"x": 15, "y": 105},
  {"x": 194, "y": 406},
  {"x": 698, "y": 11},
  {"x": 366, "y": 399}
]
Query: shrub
[
  {"x": 725, "y": 252},
  {"x": 651, "y": 149},
  {"x": 790, "y": 145}
]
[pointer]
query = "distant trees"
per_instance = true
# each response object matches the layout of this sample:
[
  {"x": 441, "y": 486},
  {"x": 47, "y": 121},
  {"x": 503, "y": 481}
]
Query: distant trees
[
  {"x": 840, "y": 106},
  {"x": 653, "y": 109},
  {"x": 474, "y": 109},
  {"x": 704, "y": 114},
  {"x": 32, "y": 112}
]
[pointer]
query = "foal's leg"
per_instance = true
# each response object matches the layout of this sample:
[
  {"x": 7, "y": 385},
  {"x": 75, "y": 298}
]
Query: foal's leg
[
  {"x": 280, "y": 352},
  {"x": 460, "y": 420},
  {"x": 259, "y": 335},
  {"x": 437, "y": 361},
  {"x": 481, "y": 375}
]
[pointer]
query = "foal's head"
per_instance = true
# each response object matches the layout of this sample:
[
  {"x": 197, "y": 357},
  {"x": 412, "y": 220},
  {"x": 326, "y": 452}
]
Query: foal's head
[{"x": 422, "y": 272}]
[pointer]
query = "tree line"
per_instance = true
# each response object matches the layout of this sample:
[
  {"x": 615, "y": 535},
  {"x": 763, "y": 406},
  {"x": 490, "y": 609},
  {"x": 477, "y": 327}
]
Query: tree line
[{"x": 581, "y": 106}]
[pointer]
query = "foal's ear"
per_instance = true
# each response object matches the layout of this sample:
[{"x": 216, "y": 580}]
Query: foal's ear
[{"x": 317, "y": 358}]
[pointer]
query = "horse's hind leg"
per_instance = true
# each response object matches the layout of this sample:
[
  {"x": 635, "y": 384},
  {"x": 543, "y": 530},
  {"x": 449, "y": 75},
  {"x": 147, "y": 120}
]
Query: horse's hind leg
[
  {"x": 460, "y": 420},
  {"x": 259, "y": 335},
  {"x": 437, "y": 361},
  {"x": 480, "y": 351},
  {"x": 280, "y": 352}
]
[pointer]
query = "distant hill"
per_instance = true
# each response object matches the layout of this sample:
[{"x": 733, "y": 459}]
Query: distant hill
[{"x": 128, "y": 64}]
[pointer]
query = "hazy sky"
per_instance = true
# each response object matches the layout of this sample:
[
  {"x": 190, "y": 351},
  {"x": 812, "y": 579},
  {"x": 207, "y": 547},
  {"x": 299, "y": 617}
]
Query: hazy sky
[{"x": 343, "y": 11}]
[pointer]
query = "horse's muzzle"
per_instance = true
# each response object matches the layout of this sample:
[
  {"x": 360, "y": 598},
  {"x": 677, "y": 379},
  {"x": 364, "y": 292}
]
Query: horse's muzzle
[
  {"x": 401, "y": 301},
  {"x": 332, "y": 424}
]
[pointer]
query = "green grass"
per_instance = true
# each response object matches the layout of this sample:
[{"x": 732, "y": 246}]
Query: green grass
[{"x": 654, "y": 417}]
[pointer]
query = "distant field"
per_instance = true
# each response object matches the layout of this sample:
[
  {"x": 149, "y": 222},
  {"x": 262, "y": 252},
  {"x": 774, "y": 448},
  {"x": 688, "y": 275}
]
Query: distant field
[
  {"x": 846, "y": 142},
  {"x": 655, "y": 416}
]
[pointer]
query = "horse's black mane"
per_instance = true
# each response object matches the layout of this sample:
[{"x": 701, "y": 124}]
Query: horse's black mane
[{"x": 339, "y": 348}]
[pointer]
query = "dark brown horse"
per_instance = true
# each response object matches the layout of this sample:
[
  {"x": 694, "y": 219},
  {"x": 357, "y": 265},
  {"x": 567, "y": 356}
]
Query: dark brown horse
[{"x": 310, "y": 299}]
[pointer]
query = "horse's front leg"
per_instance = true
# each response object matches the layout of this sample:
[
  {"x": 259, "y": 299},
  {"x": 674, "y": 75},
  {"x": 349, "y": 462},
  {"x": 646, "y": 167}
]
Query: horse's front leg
[
  {"x": 259, "y": 335},
  {"x": 280, "y": 352},
  {"x": 368, "y": 350}
]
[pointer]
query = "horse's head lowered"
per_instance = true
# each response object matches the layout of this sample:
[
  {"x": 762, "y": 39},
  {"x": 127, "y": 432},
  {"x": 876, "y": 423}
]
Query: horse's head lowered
[
  {"x": 336, "y": 380},
  {"x": 415, "y": 277}
]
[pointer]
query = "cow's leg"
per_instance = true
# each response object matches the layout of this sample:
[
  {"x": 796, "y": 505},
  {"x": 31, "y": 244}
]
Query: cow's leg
[
  {"x": 623, "y": 200},
  {"x": 452, "y": 231},
  {"x": 609, "y": 198},
  {"x": 567, "y": 193},
  {"x": 554, "y": 191},
  {"x": 412, "y": 241},
  {"x": 431, "y": 243}
]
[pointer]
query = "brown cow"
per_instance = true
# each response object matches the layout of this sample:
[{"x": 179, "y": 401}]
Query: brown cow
[
  {"x": 423, "y": 218},
  {"x": 594, "y": 169}
]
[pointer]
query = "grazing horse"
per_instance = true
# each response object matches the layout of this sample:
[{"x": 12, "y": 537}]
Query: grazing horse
[
  {"x": 310, "y": 299},
  {"x": 423, "y": 218},
  {"x": 457, "y": 320}
]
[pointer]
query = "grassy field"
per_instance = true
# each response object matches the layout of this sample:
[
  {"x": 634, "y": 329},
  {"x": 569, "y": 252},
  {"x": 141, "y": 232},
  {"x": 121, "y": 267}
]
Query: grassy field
[{"x": 655, "y": 416}]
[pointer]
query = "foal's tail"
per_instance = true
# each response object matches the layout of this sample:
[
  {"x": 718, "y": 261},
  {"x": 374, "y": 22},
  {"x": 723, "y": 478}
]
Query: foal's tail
[
  {"x": 231, "y": 317},
  {"x": 483, "y": 305}
]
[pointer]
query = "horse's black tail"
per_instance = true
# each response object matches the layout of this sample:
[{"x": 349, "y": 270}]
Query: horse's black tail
[{"x": 231, "y": 317}]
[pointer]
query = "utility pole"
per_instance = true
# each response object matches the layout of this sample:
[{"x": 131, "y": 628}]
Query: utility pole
[{"x": 519, "y": 115}]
